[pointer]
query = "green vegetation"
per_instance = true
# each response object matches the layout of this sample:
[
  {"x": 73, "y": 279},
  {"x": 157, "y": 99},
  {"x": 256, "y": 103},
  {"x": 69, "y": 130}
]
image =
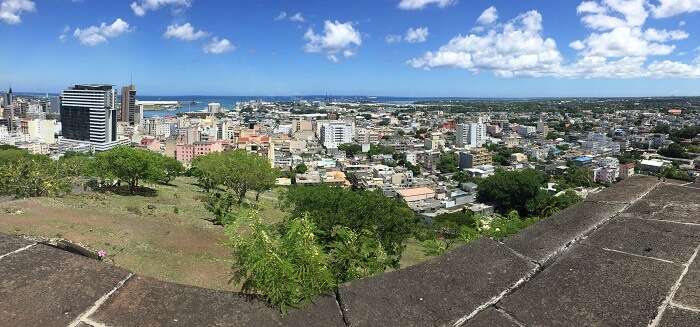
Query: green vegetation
[
  {"x": 237, "y": 171},
  {"x": 674, "y": 150},
  {"x": 511, "y": 190},
  {"x": 448, "y": 162},
  {"x": 392, "y": 221},
  {"x": 286, "y": 265},
  {"x": 26, "y": 175},
  {"x": 131, "y": 166}
]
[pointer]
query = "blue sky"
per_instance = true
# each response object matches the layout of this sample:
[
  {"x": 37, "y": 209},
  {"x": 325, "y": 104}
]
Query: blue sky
[{"x": 469, "y": 48}]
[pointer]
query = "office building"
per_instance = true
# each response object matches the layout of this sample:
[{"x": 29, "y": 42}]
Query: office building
[
  {"x": 129, "y": 110},
  {"x": 335, "y": 133},
  {"x": 214, "y": 108},
  {"x": 89, "y": 117},
  {"x": 9, "y": 97}
]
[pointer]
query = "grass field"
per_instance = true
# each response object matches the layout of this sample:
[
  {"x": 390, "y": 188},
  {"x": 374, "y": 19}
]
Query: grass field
[{"x": 167, "y": 236}]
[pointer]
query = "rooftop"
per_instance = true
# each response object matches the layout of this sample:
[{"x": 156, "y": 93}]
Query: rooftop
[{"x": 627, "y": 256}]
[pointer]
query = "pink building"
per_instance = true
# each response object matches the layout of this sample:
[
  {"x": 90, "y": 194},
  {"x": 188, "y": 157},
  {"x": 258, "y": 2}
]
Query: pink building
[{"x": 185, "y": 153}]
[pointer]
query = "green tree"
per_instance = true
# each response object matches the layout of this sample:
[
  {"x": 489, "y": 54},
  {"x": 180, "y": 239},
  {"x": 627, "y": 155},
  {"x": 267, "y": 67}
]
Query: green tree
[
  {"x": 285, "y": 265},
  {"x": 26, "y": 175},
  {"x": 448, "y": 162},
  {"x": 511, "y": 190},
  {"x": 301, "y": 169},
  {"x": 391, "y": 221},
  {"x": 238, "y": 171},
  {"x": 674, "y": 150},
  {"x": 350, "y": 149},
  {"x": 167, "y": 169},
  {"x": 127, "y": 165},
  {"x": 355, "y": 255}
]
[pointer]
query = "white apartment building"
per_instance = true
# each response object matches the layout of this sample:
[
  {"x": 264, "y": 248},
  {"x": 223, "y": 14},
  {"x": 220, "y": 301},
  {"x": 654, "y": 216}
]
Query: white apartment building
[
  {"x": 471, "y": 135},
  {"x": 334, "y": 133}
]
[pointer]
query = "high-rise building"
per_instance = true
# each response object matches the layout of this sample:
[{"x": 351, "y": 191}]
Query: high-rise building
[
  {"x": 9, "y": 97},
  {"x": 130, "y": 112},
  {"x": 214, "y": 108},
  {"x": 472, "y": 135},
  {"x": 89, "y": 116},
  {"x": 335, "y": 133}
]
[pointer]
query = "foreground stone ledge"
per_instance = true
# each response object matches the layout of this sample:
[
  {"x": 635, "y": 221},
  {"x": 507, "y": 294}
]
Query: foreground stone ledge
[
  {"x": 688, "y": 293},
  {"x": 592, "y": 287},
  {"x": 435, "y": 293},
  {"x": 626, "y": 191},
  {"x": 668, "y": 202},
  {"x": 43, "y": 286},
  {"x": 10, "y": 243},
  {"x": 650, "y": 238},
  {"x": 490, "y": 318},
  {"x": 674, "y": 317},
  {"x": 544, "y": 240},
  {"x": 149, "y": 302}
]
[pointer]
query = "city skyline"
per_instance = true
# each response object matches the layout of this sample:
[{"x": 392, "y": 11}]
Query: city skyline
[{"x": 405, "y": 48}]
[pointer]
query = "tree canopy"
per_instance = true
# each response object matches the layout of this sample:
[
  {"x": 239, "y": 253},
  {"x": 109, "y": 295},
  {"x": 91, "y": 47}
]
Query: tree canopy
[
  {"x": 391, "y": 221},
  {"x": 511, "y": 190},
  {"x": 238, "y": 171}
]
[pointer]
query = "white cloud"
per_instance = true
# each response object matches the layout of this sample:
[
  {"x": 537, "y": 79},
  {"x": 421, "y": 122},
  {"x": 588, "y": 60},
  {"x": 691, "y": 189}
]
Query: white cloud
[
  {"x": 11, "y": 10},
  {"x": 489, "y": 16},
  {"x": 515, "y": 49},
  {"x": 64, "y": 34},
  {"x": 218, "y": 46},
  {"x": 185, "y": 32},
  {"x": 281, "y": 16},
  {"x": 420, "y": 4},
  {"x": 337, "y": 38},
  {"x": 298, "y": 17},
  {"x": 417, "y": 35},
  {"x": 668, "y": 8},
  {"x": 142, "y": 6},
  {"x": 393, "y": 38},
  {"x": 95, "y": 35}
]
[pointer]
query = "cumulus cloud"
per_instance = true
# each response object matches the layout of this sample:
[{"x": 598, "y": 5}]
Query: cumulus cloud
[
  {"x": 412, "y": 35},
  {"x": 489, "y": 16},
  {"x": 669, "y": 8},
  {"x": 142, "y": 6},
  {"x": 218, "y": 46},
  {"x": 95, "y": 35},
  {"x": 517, "y": 48},
  {"x": 417, "y": 35},
  {"x": 619, "y": 45},
  {"x": 11, "y": 10},
  {"x": 337, "y": 39},
  {"x": 420, "y": 4},
  {"x": 185, "y": 32}
]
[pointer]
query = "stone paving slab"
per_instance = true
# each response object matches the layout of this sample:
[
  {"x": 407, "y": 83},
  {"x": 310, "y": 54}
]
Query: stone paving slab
[
  {"x": 592, "y": 287},
  {"x": 44, "y": 286},
  {"x": 688, "y": 293},
  {"x": 148, "y": 302},
  {"x": 626, "y": 191},
  {"x": 545, "y": 239},
  {"x": 490, "y": 318},
  {"x": 669, "y": 202},
  {"x": 10, "y": 243},
  {"x": 658, "y": 239},
  {"x": 437, "y": 292},
  {"x": 674, "y": 317}
]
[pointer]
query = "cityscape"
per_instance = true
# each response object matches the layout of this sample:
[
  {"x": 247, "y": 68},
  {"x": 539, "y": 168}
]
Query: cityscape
[{"x": 496, "y": 180}]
